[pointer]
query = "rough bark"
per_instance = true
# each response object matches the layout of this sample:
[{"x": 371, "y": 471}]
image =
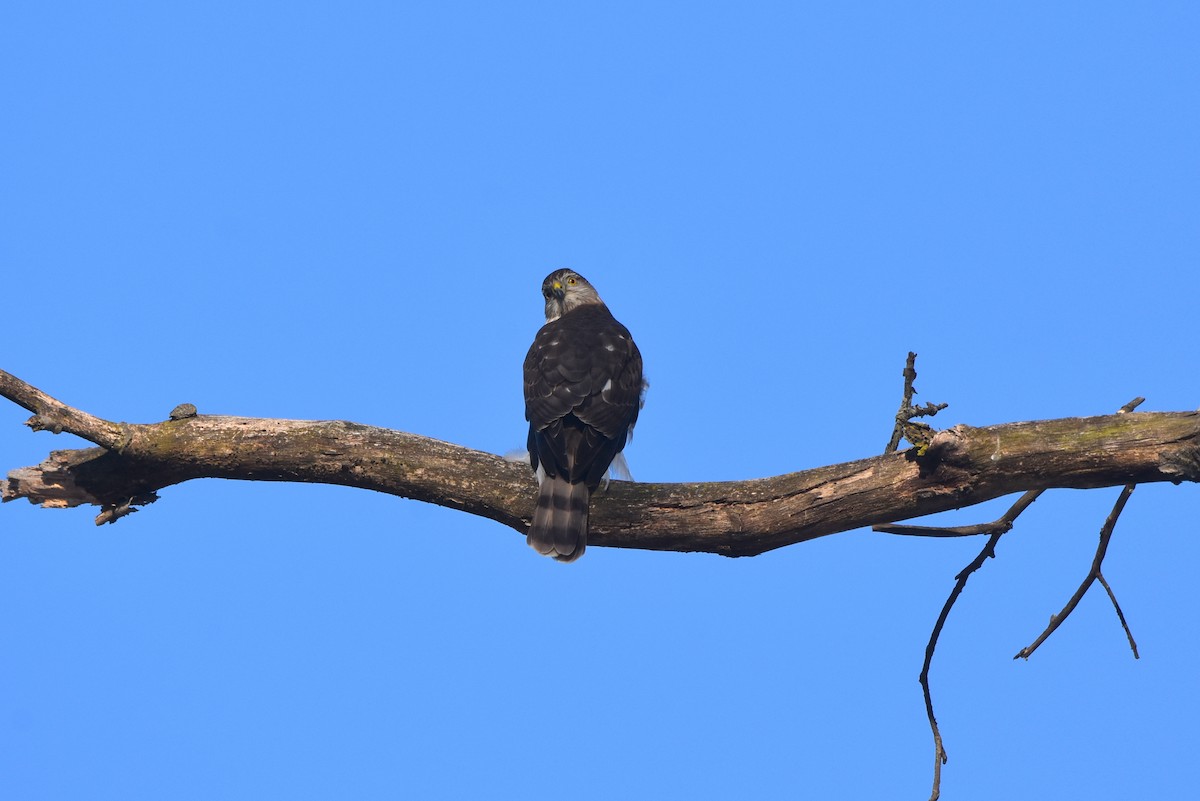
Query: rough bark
[{"x": 962, "y": 466}]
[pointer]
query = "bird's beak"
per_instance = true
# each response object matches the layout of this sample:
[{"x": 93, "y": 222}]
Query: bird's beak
[{"x": 557, "y": 290}]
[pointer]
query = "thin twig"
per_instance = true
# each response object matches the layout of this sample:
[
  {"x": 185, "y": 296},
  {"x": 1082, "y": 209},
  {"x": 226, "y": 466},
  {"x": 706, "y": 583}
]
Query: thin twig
[
  {"x": 1106, "y": 532},
  {"x": 939, "y": 751},
  {"x": 910, "y": 375},
  {"x": 1120, "y": 615},
  {"x": 935, "y": 531},
  {"x": 1133, "y": 404},
  {"x": 995, "y": 529},
  {"x": 998, "y": 526},
  {"x": 904, "y": 427}
]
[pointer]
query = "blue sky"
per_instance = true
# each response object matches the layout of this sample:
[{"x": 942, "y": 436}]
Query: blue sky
[{"x": 310, "y": 210}]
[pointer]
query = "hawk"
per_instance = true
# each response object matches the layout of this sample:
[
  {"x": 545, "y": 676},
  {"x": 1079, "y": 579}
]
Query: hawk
[{"x": 583, "y": 392}]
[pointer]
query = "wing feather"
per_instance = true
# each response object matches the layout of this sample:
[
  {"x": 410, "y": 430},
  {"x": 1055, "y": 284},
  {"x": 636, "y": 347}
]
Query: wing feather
[{"x": 583, "y": 391}]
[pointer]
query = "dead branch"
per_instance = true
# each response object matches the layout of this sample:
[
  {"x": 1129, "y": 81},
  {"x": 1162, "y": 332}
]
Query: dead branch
[
  {"x": 960, "y": 583},
  {"x": 996, "y": 529},
  {"x": 1094, "y": 575},
  {"x": 961, "y": 466},
  {"x": 998, "y": 526},
  {"x": 918, "y": 434},
  {"x": 949, "y": 469}
]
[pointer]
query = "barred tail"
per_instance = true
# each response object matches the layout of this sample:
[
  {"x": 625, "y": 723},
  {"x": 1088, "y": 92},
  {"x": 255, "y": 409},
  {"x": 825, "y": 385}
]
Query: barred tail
[{"x": 560, "y": 521}]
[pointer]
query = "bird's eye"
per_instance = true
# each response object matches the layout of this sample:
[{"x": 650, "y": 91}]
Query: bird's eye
[{"x": 571, "y": 281}]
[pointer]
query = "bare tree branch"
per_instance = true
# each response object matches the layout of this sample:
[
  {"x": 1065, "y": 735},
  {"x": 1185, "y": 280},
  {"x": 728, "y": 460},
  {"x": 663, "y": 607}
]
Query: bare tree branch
[
  {"x": 1093, "y": 575},
  {"x": 995, "y": 529},
  {"x": 950, "y": 469},
  {"x": 56, "y": 417},
  {"x": 960, "y": 583},
  {"x": 1120, "y": 615},
  {"x": 961, "y": 466},
  {"x": 998, "y": 526},
  {"x": 916, "y": 433}
]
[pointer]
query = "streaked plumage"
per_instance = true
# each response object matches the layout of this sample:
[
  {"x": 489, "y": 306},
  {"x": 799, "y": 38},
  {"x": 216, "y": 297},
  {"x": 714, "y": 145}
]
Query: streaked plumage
[{"x": 583, "y": 391}]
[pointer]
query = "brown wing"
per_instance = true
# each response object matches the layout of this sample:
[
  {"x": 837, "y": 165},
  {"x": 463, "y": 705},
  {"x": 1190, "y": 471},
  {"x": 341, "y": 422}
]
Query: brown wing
[{"x": 583, "y": 387}]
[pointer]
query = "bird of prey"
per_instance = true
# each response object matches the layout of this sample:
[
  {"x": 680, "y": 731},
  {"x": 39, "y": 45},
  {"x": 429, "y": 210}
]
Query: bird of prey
[{"x": 583, "y": 391}]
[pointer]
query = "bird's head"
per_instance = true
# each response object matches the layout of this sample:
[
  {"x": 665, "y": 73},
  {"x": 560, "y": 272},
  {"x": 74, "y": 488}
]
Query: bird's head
[{"x": 565, "y": 290}]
